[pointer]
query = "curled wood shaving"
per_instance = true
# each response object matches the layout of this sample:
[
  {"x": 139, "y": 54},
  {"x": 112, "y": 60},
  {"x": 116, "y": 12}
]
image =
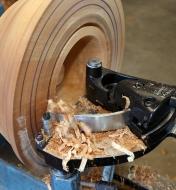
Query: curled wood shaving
[
  {"x": 83, "y": 164},
  {"x": 127, "y": 104},
  {"x": 85, "y": 128},
  {"x": 124, "y": 150},
  {"x": 66, "y": 160}
]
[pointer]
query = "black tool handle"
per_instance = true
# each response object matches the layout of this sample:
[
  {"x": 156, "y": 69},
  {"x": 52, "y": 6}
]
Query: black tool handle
[{"x": 151, "y": 103}]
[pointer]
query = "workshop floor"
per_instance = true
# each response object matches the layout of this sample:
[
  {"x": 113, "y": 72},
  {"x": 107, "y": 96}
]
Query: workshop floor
[{"x": 151, "y": 53}]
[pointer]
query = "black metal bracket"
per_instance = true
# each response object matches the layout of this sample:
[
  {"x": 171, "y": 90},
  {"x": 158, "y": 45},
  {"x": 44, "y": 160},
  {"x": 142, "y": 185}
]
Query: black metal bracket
[
  {"x": 152, "y": 104},
  {"x": 152, "y": 107}
]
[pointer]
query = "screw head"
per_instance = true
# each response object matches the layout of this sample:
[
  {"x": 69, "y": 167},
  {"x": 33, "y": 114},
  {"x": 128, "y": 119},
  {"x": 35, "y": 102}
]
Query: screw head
[{"x": 149, "y": 101}]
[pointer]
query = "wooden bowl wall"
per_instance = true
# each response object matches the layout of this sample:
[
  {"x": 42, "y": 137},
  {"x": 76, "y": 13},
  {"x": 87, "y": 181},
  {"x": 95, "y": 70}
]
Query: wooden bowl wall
[{"x": 44, "y": 46}]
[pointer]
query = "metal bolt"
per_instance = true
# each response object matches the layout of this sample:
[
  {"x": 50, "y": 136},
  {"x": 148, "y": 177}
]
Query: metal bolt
[
  {"x": 39, "y": 137},
  {"x": 149, "y": 101},
  {"x": 94, "y": 63},
  {"x": 40, "y": 141},
  {"x": 47, "y": 124},
  {"x": 94, "y": 68}
]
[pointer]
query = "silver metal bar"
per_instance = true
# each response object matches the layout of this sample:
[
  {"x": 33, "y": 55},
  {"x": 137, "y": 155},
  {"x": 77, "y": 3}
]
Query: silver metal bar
[{"x": 105, "y": 122}]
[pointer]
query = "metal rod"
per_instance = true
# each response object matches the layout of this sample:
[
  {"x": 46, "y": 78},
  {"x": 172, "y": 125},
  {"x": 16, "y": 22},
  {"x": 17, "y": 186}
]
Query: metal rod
[
  {"x": 108, "y": 173},
  {"x": 61, "y": 180}
]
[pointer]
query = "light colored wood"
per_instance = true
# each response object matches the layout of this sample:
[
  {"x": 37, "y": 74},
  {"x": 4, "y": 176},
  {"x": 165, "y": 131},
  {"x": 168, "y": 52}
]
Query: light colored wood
[{"x": 44, "y": 46}]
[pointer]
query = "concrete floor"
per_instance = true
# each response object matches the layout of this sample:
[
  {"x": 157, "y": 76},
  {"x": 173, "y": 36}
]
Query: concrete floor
[{"x": 151, "y": 53}]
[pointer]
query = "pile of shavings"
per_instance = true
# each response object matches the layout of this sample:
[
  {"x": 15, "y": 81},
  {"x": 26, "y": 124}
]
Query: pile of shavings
[{"x": 74, "y": 140}]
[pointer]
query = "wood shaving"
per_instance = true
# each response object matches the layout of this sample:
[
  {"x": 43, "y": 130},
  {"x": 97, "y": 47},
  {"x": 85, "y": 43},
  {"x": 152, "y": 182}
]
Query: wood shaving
[
  {"x": 74, "y": 140},
  {"x": 82, "y": 165},
  {"x": 124, "y": 150},
  {"x": 66, "y": 160},
  {"x": 47, "y": 180},
  {"x": 52, "y": 106},
  {"x": 127, "y": 103},
  {"x": 83, "y": 127}
]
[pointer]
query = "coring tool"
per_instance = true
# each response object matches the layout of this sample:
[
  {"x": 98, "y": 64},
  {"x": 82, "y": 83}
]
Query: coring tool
[{"x": 150, "y": 115}]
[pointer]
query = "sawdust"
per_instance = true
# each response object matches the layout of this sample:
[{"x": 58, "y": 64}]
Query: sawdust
[
  {"x": 92, "y": 174},
  {"x": 74, "y": 140},
  {"x": 142, "y": 174},
  {"x": 149, "y": 178},
  {"x": 127, "y": 102}
]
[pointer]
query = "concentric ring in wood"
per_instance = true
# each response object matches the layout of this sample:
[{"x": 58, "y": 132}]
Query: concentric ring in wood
[{"x": 44, "y": 46}]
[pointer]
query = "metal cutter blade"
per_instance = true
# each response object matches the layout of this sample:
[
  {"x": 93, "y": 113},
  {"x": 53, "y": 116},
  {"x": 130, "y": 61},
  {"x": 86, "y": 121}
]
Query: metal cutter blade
[{"x": 105, "y": 122}]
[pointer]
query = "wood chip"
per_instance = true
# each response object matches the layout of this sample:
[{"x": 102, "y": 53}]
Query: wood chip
[
  {"x": 127, "y": 103},
  {"x": 82, "y": 165},
  {"x": 66, "y": 160},
  {"x": 85, "y": 128},
  {"x": 52, "y": 106},
  {"x": 124, "y": 150}
]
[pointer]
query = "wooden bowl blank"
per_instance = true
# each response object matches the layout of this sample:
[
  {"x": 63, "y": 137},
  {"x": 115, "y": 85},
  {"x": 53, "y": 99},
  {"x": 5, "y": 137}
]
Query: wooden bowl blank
[{"x": 44, "y": 46}]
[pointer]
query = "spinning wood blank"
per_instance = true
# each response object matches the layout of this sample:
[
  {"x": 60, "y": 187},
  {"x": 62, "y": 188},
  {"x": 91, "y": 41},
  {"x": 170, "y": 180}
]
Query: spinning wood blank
[{"x": 44, "y": 46}]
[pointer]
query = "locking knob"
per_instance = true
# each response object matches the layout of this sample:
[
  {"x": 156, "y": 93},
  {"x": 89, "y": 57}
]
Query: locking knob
[{"x": 94, "y": 68}]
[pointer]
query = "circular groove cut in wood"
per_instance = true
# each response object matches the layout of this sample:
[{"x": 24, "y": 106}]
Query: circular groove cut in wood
[{"x": 44, "y": 48}]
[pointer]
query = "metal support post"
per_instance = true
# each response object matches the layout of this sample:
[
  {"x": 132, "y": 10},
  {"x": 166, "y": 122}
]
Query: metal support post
[
  {"x": 65, "y": 181},
  {"x": 108, "y": 173}
]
